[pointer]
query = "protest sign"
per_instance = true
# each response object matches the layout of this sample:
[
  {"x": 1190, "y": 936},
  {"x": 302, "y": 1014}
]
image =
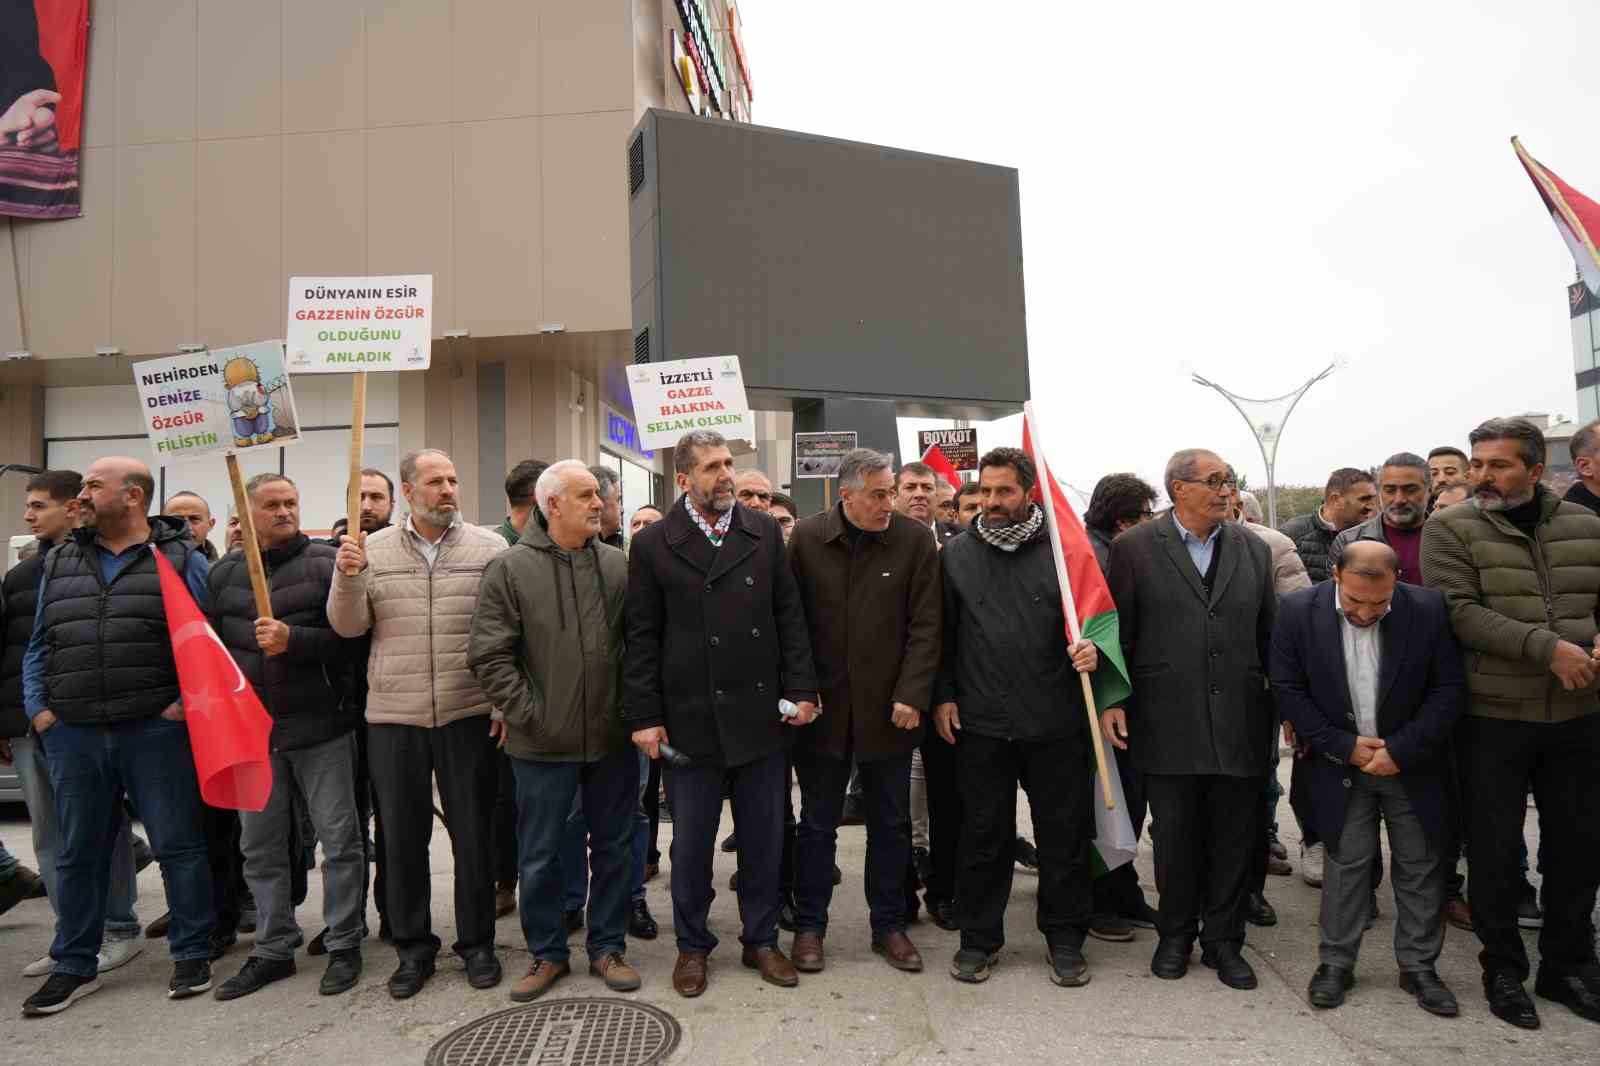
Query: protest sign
[
  {"x": 819, "y": 454},
  {"x": 671, "y": 399},
  {"x": 337, "y": 325},
  {"x": 960, "y": 446},
  {"x": 217, "y": 401}
]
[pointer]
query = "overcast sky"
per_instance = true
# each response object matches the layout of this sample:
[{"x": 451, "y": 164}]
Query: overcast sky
[{"x": 1247, "y": 190}]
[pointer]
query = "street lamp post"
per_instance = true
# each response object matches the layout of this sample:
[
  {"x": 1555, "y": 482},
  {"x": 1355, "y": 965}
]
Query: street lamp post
[{"x": 1266, "y": 424}]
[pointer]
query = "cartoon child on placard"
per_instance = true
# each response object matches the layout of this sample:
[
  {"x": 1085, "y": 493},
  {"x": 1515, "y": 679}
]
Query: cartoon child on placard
[{"x": 248, "y": 403}]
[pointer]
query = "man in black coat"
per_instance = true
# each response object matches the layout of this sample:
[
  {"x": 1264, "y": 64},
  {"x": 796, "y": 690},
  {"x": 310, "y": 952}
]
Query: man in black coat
[
  {"x": 302, "y": 670},
  {"x": 1009, "y": 700},
  {"x": 716, "y": 638},
  {"x": 1370, "y": 675},
  {"x": 869, "y": 583},
  {"x": 1195, "y": 597}
]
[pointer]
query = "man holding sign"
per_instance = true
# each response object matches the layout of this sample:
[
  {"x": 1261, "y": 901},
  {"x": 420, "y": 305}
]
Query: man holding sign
[
  {"x": 101, "y": 687},
  {"x": 300, "y": 668}
]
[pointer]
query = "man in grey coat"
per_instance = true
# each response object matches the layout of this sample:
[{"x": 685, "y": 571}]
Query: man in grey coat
[{"x": 1194, "y": 594}]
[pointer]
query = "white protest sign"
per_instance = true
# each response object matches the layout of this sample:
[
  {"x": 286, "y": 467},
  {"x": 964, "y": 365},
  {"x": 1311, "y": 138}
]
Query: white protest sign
[
  {"x": 337, "y": 325},
  {"x": 217, "y": 401},
  {"x": 671, "y": 399}
]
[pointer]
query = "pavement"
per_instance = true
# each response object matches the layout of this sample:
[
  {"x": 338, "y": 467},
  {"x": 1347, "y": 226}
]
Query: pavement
[{"x": 858, "y": 1011}]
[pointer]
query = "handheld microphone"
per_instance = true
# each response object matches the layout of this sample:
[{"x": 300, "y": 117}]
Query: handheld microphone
[
  {"x": 674, "y": 758},
  {"x": 787, "y": 708}
]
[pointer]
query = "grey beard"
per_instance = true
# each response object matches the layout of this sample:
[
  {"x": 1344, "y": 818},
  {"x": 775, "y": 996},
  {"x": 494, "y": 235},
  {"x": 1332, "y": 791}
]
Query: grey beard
[
  {"x": 1403, "y": 516},
  {"x": 711, "y": 504},
  {"x": 443, "y": 519},
  {"x": 1500, "y": 503}
]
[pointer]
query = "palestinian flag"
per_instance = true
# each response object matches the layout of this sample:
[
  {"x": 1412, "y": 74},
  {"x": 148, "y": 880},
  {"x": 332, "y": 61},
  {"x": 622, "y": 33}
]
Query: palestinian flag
[
  {"x": 1577, "y": 217},
  {"x": 942, "y": 466},
  {"x": 1086, "y": 597}
]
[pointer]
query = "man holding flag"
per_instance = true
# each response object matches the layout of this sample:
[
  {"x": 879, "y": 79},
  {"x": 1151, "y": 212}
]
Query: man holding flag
[
  {"x": 101, "y": 686},
  {"x": 1008, "y": 700}
]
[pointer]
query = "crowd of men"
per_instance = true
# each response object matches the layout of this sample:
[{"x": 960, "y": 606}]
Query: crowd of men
[{"x": 1426, "y": 640}]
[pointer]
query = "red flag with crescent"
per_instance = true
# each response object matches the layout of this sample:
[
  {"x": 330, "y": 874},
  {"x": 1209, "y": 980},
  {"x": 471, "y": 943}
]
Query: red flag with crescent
[{"x": 229, "y": 729}]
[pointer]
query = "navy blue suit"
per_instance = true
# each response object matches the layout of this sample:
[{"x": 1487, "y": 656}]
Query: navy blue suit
[{"x": 1421, "y": 693}]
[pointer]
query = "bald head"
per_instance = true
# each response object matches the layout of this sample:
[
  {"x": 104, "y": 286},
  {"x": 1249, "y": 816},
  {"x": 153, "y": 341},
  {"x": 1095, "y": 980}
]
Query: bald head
[
  {"x": 1369, "y": 558},
  {"x": 1366, "y": 574},
  {"x": 116, "y": 496}
]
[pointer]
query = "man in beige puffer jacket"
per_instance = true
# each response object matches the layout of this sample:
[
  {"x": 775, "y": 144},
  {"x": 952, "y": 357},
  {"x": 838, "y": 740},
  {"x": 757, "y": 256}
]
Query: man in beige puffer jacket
[{"x": 414, "y": 586}]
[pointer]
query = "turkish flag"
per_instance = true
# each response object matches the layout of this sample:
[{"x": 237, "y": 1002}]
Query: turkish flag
[
  {"x": 934, "y": 457},
  {"x": 228, "y": 728}
]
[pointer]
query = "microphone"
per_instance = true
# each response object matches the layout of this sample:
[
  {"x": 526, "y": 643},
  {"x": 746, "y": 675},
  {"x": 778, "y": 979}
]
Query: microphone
[
  {"x": 674, "y": 758},
  {"x": 787, "y": 708}
]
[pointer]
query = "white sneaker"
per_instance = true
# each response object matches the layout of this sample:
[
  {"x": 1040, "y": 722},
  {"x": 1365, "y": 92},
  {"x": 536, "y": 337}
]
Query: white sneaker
[
  {"x": 114, "y": 953},
  {"x": 1311, "y": 864},
  {"x": 39, "y": 967}
]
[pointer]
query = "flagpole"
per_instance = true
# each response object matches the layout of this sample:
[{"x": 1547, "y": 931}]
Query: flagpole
[{"x": 1048, "y": 490}]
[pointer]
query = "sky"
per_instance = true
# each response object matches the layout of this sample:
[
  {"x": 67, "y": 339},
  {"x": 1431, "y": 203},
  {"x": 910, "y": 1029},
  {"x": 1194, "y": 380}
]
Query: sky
[{"x": 1249, "y": 191}]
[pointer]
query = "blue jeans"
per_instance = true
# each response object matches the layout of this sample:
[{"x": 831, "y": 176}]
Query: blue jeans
[
  {"x": 90, "y": 769},
  {"x": 27, "y": 757},
  {"x": 575, "y": 849},
  {"x": 545, "y": 791}
]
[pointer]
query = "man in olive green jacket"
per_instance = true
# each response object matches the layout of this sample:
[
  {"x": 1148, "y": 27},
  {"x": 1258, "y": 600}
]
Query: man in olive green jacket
[
  {"x": 547, "y": 644},
  {"x": 1520, "y": 570}
]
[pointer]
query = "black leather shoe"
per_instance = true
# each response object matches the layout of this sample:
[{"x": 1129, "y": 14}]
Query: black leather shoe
[
  {"x": 1583, "y": 996},
  {"x": 1328, "y": 986},
  {"x": 408, "y": 980},
  {"x": 1231, "y": 968},
  {"x": 483, "y": 969},
  {"x": 1509, "y": 1001},
  {"x": 730, "y": 843},
  {"x": 1257, "y": 911},
  {"x": 575, "y": 920},
  {"x": 641, "y": 924},
  {"x": 1432, "y": 994},
  {"x": 255, "y": 975},
  {"x": 344, "y": 970},
  {"x": 1067, "y": 966},
  {"x": 786, "y": 915},
  {"x": 1171, "y": 960},
  {"x": 943, "y": 913}
]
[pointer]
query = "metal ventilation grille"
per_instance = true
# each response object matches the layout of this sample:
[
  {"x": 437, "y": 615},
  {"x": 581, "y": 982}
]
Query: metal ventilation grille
[
  {"x": 641, "y": 346},
  {"x": 636, "y": 164}
]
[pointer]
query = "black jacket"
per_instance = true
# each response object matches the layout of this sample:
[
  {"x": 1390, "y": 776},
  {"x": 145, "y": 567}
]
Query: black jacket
[
  {"x": 1313, "y": 539},
  {"x": 1101, "y": 542},
  {"x": 1422, "y": 691},
  {"x": 20, "y": 595},
  {"x": 307, "y": 689},
  {"x": 1005, "y": 661},
  {"x": 715, "y": 637},
  {"x": 1197, "y": 661},
  {"x": 110, "y": 654}
]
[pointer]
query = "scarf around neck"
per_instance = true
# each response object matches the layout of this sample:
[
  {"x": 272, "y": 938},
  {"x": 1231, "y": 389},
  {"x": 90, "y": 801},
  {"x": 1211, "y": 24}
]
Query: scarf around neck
[{"x": 1010, "y": 538}]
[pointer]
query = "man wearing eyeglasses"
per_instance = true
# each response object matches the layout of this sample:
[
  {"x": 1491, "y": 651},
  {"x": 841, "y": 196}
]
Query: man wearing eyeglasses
[{"x": 1194, "y": 594}]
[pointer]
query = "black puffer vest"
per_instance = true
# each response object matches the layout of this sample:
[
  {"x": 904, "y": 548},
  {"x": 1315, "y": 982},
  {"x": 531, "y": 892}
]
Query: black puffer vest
[
  {"x": 307, "y": 689},
  {"x": 21, "y": 594},
  {"x": 110, "y": 652}
]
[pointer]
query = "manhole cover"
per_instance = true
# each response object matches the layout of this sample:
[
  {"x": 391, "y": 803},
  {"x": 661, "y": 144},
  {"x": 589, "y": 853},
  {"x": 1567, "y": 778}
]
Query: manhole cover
[{"x": 572, "y": 1032}]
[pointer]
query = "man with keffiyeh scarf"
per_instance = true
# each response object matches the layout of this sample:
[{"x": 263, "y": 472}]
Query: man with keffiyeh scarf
[{"x": 1007, "y": 697}]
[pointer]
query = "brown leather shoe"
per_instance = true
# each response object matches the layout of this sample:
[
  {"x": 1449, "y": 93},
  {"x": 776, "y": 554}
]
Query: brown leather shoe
[
  {"x": 898, "y": 950},
  {"x": 541, "y": 975},
  {"x": 1458, "y": 914},
  {"x": 774, "y": 966},
  {"x": 689, "y": 974},
  {"x": 807, "y": 953},
  {"x": 614, "y": 970}
]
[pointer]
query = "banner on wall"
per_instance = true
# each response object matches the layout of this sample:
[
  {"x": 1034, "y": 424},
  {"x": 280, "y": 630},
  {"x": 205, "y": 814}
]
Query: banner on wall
[
  {"x": 44, "y": 45},
  {"x": 340, "y": 325},
  {"x": 217, "y": 401}
]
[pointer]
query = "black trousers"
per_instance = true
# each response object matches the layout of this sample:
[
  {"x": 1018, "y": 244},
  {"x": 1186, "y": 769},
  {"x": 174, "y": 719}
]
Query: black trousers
[
  {"x": 228, "y": 890},
  {"x": 1118, "y": 891},
  {"x": 1055, "y": 774},
  {"x": 404, "y": 762},
  {"x": 756, "y": 790},
  {"x": 944, "y": 816},
  {"x": 1205, "y": 828},
  {"x": 505, "y": 823},
  {"x": 1562, "y": 760},
  {"x": 886, "y": 807},
  {"x": 652, "y": 810}
]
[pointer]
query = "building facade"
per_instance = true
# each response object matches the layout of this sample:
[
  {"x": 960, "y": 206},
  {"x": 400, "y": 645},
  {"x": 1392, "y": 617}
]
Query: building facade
[{"x": 232, "y": 144}]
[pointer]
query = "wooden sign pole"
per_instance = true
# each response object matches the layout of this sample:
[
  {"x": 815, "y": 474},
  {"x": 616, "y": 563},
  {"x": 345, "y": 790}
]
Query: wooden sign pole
[
  {"x": 358, "y": 427},
  {"x": 252, "y": 549}
]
